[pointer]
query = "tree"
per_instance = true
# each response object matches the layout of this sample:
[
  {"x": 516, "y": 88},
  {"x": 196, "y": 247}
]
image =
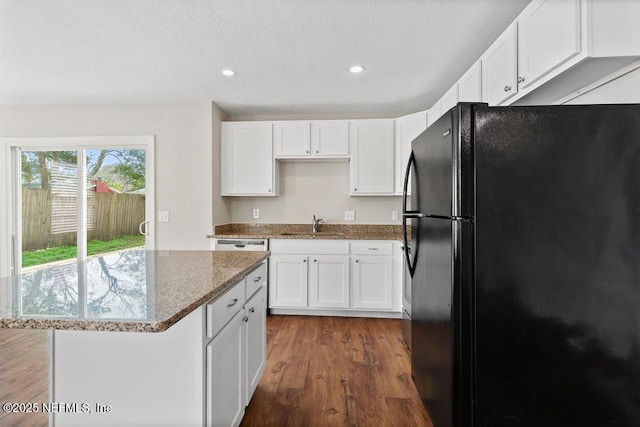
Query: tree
[{"x": 126, "y": 168}]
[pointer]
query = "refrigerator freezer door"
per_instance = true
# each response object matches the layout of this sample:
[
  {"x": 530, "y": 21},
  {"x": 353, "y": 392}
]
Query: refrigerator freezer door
[
  {"x": 443, "y": 169},
  {"x": 557, "y": 266}
]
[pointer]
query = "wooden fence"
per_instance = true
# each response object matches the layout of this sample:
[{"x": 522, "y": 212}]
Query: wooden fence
[{"x": 111, "y": 215}]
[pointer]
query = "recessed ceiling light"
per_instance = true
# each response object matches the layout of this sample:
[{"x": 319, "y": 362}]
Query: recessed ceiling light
[
  {"x": 356, "y": 69},
  {"x": 227, "y": 72}
]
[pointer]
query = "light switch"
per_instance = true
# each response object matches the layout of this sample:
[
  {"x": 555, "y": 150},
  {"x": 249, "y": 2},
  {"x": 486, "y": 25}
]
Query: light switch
[
  {"x": 349, "y": 215},
  {"x": 256, "y": 213},
  {"x": 163, "y": 216}
]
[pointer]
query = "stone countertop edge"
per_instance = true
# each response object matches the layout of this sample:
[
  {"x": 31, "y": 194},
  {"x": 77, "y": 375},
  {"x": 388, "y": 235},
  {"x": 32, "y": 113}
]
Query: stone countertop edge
[
  {"x": 326, "y": 231},
  {"x": 116, "y": 325}
]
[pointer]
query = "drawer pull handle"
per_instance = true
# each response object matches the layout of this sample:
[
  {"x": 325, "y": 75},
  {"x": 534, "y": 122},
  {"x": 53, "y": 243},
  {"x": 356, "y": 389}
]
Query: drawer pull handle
[
  {"x": 373, "y": 249},
  {"x": 235, "y": 301},
  {"x": 257, "y": 279}
]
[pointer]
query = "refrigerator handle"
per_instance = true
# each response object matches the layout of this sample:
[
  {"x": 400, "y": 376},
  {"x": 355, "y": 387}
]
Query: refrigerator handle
[
  {"x": 410, "y": 164},
  {"x": 408, "y": 214}
]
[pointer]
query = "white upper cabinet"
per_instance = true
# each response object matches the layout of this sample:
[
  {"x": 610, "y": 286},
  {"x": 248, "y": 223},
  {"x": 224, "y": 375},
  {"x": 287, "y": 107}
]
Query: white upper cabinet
[
  {"x": 309, "y": 140},
  {"x": 247, "y": 163},
  {"x": 470, "y": 84},
  {"x": 499, "y": 68},
  {"x": 330, "y": 138},
  {"x": 449, "y": 99},
  {"x": 291, "y": 138},
  {"x": 407, "y": 128},
  {"x": 372, "y": 157},
  {"x": 548, "y": 35}
]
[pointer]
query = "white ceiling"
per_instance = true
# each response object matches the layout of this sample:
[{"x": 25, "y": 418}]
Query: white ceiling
[{"x": 290, "y": 56}]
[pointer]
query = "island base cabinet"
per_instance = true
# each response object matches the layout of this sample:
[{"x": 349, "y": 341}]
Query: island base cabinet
[
  {"x": 225, "y": 382},
  {"x": 130, "y": 378},
  {"x": 255, "y": 354}
]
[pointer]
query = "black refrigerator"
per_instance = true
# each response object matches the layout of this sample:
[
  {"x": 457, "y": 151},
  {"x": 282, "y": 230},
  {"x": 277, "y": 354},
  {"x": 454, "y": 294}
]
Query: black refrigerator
[{"x": 524, "y": 224}]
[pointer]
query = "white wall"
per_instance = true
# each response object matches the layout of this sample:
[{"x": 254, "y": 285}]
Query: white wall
[
  {"x": 308, "y": 188},
  {"x": 221, "y": 208},
  {"x": 183, "y": 154}
]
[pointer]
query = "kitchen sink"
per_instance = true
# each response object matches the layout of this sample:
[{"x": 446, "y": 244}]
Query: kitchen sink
[{"x": 318, "y": 234}]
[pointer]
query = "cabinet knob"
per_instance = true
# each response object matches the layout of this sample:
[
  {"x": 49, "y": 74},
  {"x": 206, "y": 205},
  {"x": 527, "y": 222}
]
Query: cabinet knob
[
  {"x": 355, "y": 189},
  {"x": 268, "y": 190},
  {"x": 507, "y": 88},
  {"x": 307, "y": 151},
  {"x": 252, "y": 309},
  {"x": 357, "y": 260},
  {"x": 315, "y": 260},
  {"x": 520, "y": 79},
  {"x": 304, "y": 260},
  {"x": 245, "y": 319},
  {"x": 317, "y": 151}
]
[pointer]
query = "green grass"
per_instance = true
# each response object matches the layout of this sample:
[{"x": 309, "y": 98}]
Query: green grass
[{"x": 94, "y": 247}]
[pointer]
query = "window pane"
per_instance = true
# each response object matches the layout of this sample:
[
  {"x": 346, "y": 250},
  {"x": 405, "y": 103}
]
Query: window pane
[
  {"x": 116, "y": 199},
  {"x": 49, "y": 206}
]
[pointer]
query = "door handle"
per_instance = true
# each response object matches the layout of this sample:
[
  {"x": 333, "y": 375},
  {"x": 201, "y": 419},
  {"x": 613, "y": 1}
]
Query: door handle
[{"x": 143, "y": 228}]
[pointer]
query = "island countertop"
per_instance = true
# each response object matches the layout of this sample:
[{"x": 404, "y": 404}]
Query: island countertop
[{"x": 131, "y": 291}]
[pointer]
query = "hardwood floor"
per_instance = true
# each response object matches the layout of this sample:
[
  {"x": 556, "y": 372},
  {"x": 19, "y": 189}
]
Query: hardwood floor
[
  {"x": 24, "y": 374},
  {"x": 334, "y": 371}
]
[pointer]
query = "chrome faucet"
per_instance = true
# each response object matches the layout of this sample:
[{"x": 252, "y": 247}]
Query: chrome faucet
[{"x": 314, "y": 224}]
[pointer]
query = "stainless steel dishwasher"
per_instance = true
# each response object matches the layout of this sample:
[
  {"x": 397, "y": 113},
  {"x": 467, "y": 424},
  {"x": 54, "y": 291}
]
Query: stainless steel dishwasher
[{"x": 241, "y": 244}]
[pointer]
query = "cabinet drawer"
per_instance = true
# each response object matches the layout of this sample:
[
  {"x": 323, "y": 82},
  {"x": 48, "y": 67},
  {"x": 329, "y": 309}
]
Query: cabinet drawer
[
  {"x": 220, "y": 311},
  {"x": 371, "y": 248},
  {"x": 254, "y": 280}
]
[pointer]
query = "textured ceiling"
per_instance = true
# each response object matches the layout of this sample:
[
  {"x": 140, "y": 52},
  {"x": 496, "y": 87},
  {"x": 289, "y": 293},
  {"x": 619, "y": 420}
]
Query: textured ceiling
[{"x": 290, "y": 56}]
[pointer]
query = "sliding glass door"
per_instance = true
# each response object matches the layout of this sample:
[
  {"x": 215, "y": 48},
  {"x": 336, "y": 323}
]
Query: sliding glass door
[{"x": 73, "y": 198}]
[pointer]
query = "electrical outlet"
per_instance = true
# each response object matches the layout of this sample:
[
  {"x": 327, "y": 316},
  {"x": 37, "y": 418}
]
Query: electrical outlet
[
  {"x": 349, "y": 215},
  {"x": 163, "y": 216},
  {"x": 394, "y": 215},
  {"x": 256, "y": 213}
]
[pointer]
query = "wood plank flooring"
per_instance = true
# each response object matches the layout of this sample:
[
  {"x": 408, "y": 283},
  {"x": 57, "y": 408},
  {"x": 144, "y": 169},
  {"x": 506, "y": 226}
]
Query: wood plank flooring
[
  {"x": 335, "y": 371},
  {"x": 24, "y": 374}
]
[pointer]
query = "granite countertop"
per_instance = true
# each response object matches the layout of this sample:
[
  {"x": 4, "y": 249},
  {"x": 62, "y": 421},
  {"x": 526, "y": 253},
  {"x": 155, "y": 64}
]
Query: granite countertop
[
  {"x": 303, "y": 231},
  {"x": 132, "y": 290}
]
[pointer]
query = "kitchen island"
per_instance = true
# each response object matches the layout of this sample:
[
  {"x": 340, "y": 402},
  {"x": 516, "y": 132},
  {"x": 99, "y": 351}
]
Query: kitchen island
[{"x": 146, "y": 337}]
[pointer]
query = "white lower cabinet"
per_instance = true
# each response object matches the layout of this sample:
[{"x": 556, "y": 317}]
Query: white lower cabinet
[
  {"x": 329, "y": 281},
  {"x": 225, "y": 385},
  {"x": 371, "y": 278},
  {"x": 288, "y": 280},
  {"x": 255, "y": 341},
  {"x": 335, "y": 277}
]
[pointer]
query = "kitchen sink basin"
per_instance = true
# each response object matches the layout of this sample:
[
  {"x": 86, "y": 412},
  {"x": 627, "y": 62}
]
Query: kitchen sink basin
[{"x": 318, "y": 234}]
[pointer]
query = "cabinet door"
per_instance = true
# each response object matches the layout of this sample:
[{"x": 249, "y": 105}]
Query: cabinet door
[
  {"x": 449, "y": 99},
  {"x": 329, "y": 281},
  {"x": 288, "y": 281},
  {"x": 407, "y": 128},
  {"x": 548, "y": 35},
  {"x": 330, "y": 138},
  {"x": 292, "y": 139},
  {"x": 372, "y": 162},
  {"x": 372, "y": 282},
  {"x": 224, "y": 377},
  {"x": 247, "y": 163},
  {"x": 499, "y": 68},
  {"x": 255, "y": 341},
  {"x": 470, "y": 84}
]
